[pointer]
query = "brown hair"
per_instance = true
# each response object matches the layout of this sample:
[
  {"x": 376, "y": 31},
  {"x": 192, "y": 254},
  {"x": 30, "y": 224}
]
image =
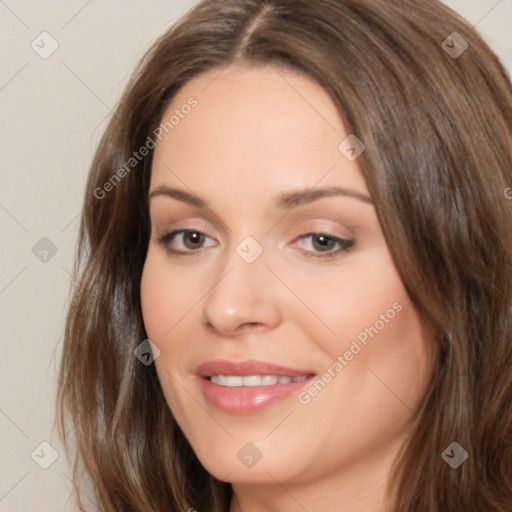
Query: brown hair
[{"x": 438, "y": 160}]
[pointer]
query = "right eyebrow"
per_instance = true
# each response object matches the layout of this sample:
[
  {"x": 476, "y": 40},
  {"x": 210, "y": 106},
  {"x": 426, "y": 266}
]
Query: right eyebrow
[{"x": 179, "y": 195}]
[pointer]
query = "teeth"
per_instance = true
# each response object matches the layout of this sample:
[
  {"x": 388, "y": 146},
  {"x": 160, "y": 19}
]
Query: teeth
[
  {"x": 269, "y": 380},
  {"x": 232, "y": 381},
  {"x": 253, "y": 380}
]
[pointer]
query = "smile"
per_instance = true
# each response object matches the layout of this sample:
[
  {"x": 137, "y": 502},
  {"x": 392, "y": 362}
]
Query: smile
[
  {"x": 247, "y": 387},
  {"x": 254, "y": 380}
]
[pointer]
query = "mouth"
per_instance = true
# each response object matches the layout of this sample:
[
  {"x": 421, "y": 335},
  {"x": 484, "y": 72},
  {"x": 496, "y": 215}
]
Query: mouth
[{"x": 249, "y": 386}]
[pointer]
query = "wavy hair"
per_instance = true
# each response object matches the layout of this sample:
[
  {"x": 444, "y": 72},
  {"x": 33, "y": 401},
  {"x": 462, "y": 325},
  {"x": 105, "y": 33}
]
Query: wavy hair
[{"x": 437, "y": 127}]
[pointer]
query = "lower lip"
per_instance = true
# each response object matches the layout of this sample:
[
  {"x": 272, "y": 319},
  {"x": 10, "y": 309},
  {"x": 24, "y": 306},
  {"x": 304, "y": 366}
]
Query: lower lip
[{"x": 248, "y": 399}]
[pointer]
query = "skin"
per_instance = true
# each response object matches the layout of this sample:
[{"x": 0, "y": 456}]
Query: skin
[{"x": 257, "y": 133}]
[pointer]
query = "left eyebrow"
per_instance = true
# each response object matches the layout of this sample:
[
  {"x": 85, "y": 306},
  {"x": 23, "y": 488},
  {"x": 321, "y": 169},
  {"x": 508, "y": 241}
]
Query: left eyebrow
[{"x": 291, "y": 199}]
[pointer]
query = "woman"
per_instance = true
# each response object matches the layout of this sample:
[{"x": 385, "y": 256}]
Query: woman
[{"x": 294, "y": 281}]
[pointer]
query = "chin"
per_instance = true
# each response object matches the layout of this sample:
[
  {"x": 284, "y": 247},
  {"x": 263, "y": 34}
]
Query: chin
[{"x": 246, "y": 465}]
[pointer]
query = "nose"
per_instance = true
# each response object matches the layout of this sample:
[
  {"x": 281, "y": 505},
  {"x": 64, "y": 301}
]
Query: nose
[{"x": 244, "y": 297}]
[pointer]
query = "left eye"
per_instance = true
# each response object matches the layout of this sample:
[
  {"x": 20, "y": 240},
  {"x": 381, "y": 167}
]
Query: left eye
[{"x": 324, "y": 244}]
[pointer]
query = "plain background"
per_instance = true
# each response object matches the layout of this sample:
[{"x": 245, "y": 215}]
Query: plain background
[{"x": 53, "y": 112}]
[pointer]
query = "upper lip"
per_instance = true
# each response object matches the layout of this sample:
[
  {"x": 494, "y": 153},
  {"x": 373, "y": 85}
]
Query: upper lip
[{"x": 244, "y": 368}]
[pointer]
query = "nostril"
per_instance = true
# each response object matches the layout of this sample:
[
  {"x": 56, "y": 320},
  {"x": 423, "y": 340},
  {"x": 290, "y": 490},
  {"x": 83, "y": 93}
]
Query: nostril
[{"x": 249, "y": 326}]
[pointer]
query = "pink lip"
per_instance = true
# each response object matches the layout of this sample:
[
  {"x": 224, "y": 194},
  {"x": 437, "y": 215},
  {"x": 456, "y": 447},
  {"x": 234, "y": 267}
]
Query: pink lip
[{"x": 247, "y": 400}]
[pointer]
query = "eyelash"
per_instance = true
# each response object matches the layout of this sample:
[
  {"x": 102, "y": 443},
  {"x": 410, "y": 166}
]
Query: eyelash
[{"x": 345, "y": 245}]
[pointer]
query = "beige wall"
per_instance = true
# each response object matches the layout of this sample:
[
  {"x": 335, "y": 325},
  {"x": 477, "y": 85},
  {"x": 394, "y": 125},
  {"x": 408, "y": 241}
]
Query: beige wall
[{"x": 52, "y": 113}]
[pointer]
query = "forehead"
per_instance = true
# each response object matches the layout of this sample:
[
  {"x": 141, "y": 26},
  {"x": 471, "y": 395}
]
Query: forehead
[{"x": 253, "y": 124}]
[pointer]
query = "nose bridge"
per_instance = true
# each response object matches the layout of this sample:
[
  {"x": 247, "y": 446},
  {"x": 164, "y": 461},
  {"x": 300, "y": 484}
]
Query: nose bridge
[{"x": 242, "y": 293}]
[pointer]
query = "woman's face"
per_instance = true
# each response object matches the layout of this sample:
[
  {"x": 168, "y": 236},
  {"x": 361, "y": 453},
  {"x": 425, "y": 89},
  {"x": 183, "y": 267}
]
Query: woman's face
[{"x": 289, "y": 349}]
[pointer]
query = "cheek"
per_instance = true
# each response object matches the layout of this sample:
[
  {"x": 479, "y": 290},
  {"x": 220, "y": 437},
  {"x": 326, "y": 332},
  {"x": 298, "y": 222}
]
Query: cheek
[
  {"x": 164, "y": 297},
  {"x": 153, "y": 286},
  {"x": 165, "y": 300},
  {"x": 377, "y": 353},
  {"x": 361, "y": 297}
]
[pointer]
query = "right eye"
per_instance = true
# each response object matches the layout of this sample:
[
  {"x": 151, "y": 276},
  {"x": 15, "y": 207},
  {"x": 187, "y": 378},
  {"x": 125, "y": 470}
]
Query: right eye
[{"x": 183, "y": 241}]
